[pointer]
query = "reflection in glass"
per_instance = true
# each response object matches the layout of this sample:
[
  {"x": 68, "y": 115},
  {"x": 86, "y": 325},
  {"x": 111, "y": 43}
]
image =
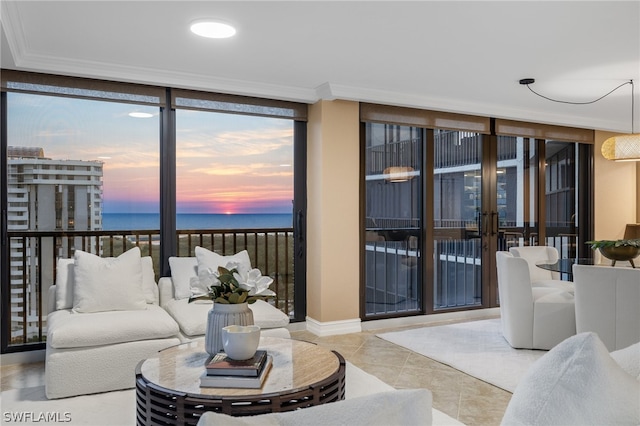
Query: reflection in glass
[
  {"x": 392, "y": 219},
  {"x": 458, "y": 219}
]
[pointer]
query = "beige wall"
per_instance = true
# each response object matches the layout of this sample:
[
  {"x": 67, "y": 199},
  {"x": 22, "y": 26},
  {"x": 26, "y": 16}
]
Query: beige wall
[
  {"x": 333, "y": 276},
  {"x": 616, "y": 193}
]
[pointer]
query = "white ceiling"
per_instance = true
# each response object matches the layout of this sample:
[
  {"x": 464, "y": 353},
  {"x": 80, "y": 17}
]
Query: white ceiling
[{"x": 452, "y": 56}]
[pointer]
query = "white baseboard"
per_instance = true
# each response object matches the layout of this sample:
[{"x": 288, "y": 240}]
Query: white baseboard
[{"x": 332, "y": 328}]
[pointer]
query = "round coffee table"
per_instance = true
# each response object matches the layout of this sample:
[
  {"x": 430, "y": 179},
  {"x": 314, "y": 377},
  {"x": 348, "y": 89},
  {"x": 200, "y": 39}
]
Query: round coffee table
[{"x": 302, "y": 375}]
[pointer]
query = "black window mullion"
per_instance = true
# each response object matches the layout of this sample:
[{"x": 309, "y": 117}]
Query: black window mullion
[{"x": 168, "y": 237}]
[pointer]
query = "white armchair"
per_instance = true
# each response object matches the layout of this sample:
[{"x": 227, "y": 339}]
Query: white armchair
[
  {"x": 103, "y": 320},
  {"x": 532, "y": 317},
  {"x": 541, "y": 277},
  {"x": 608, "y": 303}
]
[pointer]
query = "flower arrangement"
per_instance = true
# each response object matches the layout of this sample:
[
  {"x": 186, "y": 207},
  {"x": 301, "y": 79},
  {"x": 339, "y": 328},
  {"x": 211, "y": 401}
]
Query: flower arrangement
[{"x": 233, "y": 284}]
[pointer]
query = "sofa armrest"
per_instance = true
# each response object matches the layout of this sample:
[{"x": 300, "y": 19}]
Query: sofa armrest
[
  {"x": 51, "y": 300},
  {"x": 165, "y": 290}
]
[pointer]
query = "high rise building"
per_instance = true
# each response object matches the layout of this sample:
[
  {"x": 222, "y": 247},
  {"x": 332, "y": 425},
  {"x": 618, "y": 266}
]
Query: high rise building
[{"x": 45, "y": 194}]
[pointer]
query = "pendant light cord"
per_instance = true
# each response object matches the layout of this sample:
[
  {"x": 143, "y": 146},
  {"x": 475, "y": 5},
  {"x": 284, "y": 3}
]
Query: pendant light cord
[
  {"x": 582, "y": 103},
  {"x": 528, "y": 81}
]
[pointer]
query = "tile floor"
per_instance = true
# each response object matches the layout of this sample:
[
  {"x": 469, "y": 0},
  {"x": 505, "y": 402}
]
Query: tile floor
[
  {"x": 463, "y": 397},
  {"x": 471, "y": 401}
]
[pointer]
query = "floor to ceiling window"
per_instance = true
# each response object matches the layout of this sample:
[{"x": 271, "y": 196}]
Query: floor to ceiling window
[
  {"x": 234, "y": 178},
  {"x": 91, "y": 165},
  {"x": 479, "y": 192},
  {"x": 78, "y": 170}
]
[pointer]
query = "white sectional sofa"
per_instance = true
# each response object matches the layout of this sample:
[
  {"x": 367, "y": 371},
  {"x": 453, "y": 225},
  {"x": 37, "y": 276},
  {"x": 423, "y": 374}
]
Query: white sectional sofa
[
  {"x": 175, "y": 292},
  {"x": 95, "y": 339},
  {"x": 106, "y": 315}
]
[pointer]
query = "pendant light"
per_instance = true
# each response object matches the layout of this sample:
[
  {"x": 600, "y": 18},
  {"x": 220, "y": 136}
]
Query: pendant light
[{"x": 624, "y": 147}]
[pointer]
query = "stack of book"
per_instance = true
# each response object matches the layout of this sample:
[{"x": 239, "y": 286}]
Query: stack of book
[{"x": 224, "y": 372}]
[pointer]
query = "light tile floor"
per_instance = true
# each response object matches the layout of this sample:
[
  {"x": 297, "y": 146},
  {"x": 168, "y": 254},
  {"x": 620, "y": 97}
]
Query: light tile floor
[
  {"x": 463, "y": 397},
  {"x": 471, "y": 401}
]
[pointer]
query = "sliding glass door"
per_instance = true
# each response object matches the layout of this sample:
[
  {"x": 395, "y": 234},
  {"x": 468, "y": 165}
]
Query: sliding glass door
[
  {"x": 439, "y": 203},
  {"x": 459, "y": 219},
  {"x": 393, "y": 225}
]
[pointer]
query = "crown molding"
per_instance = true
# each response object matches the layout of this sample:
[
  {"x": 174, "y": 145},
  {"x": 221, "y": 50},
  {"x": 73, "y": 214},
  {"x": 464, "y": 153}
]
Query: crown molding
[{"x": 329, "y": 91}]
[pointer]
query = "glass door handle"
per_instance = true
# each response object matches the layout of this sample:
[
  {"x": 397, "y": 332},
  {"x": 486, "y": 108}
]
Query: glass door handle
[
  {"x": 494, "y": 223},
  {"x": 485, "y": 224}
]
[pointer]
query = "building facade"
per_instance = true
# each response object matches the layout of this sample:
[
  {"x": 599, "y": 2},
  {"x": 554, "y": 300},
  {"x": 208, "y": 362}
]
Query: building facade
[{"x": 45, "y": 194}]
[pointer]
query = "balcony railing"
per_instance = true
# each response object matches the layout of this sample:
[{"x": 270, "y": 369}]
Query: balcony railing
[{"x": 33, "y": 258}]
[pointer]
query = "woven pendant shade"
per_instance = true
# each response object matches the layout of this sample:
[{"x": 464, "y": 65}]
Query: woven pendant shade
[
  {"x": 398, "y": 173},
  {"x": 622, "y": 148}
]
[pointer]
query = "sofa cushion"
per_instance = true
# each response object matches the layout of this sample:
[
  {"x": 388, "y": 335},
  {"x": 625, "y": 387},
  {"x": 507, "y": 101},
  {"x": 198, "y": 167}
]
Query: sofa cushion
[
  {"x": 575, "y": 383},
  {"x": 192, "y": 317},
  {"x": 267, "y": 316},
  {"x": 108, "y": 284},
  {"x": 65, "y": 280},
  {"x": 69, "y": 329},
  {"x": 397, "y": 407}
]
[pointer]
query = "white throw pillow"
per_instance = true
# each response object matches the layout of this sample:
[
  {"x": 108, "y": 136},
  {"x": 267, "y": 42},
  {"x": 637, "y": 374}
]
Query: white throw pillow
[
  {"x": 113, "y": 284},
  {"x": 575, "y": 383},
  {"x": 208, "y": 259},
  {"x": 182, "y": 270},
  {"x": 65, "y": 280},
  {"x": 629, "y": 359}
]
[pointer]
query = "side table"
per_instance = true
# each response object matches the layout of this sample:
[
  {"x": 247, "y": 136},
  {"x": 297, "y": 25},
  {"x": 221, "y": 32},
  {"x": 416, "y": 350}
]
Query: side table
[{"x": 168, "y": 388}]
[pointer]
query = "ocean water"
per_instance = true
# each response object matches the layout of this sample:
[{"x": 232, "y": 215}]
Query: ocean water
[{"x": 128, "y": 221}]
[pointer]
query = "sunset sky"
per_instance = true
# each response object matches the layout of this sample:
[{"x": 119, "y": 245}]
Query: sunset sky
[{"x": 226, "y": 163}]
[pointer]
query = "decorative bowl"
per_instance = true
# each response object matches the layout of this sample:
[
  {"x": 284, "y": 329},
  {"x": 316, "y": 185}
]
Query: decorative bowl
[
  {"x": 240, "y": 341},
  {"x": 622, "y": 253}
]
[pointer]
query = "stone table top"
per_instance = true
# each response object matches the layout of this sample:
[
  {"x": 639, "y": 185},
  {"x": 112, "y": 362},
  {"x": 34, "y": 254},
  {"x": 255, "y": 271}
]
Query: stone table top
[{"x": 296, "y": 364}]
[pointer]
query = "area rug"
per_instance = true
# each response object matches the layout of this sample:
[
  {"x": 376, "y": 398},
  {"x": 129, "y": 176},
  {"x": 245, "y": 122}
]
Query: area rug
[
  {"x": 29, "y": 406},
  {"x": 476, "y": 348}
]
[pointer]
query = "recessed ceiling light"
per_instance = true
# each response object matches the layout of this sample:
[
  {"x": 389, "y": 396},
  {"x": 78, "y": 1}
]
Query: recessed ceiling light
[
  {"x": 140, "y": 114},
  {"x": 212, "y": 29}
]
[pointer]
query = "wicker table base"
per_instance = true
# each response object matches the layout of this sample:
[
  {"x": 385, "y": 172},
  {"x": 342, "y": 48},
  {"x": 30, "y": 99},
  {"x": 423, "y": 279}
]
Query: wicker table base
[{"x": 168, "y": 390}]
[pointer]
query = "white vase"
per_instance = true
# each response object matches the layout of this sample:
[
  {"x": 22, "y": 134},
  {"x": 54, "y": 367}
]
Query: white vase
[{"x": 222, "y": 315}]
